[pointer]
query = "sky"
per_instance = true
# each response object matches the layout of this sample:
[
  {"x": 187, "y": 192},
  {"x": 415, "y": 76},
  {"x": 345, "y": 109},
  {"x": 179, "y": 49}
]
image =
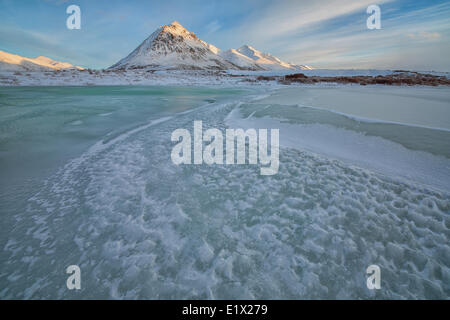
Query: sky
[{"x": 330, "y": 34}]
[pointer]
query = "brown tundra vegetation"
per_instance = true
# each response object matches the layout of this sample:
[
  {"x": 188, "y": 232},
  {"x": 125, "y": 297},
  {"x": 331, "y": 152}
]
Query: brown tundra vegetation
[{"x": 398, "y": 78}]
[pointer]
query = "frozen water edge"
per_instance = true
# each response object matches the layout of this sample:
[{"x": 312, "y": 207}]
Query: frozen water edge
[
  {"x": 374, "y": 153},
  {"x": 140, "y": 227}
]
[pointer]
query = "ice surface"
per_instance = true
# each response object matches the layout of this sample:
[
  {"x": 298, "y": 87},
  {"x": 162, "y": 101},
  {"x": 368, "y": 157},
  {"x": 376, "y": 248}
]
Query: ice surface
[{"x": 140, "y": 227}]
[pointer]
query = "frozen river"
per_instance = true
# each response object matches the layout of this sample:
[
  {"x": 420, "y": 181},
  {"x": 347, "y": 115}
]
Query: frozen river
[{"x": 86, "y": 179}]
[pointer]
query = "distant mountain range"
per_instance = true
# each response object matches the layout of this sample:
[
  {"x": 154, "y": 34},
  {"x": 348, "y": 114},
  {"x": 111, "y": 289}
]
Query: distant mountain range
[
  {"x": 174, "y": 47},
  {"x": 169, "y": 47},
  {"x": 14, "y": 62}
]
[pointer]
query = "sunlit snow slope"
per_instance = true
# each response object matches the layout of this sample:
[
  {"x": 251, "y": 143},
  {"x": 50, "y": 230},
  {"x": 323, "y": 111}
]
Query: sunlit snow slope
[{"x": 14, "y": 62}]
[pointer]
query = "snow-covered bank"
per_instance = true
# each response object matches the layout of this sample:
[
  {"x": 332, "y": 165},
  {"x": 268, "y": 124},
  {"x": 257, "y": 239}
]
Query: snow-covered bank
[
  {"x": 118, "y": 77},
  {"x": 146, "y": 76}
]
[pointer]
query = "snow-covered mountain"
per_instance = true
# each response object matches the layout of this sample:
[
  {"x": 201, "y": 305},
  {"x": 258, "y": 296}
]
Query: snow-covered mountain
[
  {"x": 169, "y": 47},
  {"x": 14, "y": 62},
  {"x": 174, "y": 47},
  {"x": 267, "y": 61}
]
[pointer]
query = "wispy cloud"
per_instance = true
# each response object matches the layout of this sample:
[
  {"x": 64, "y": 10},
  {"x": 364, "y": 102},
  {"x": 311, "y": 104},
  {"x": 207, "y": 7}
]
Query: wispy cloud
[
  {"x": 424, "y": 35},
  {"x": 283, "y": 18}
]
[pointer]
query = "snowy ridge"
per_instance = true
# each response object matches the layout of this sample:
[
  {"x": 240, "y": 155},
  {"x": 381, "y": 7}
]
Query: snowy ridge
[
  {"x": 267, "y": 61},
  {"x": 241, "y": 60},
  {"x": 14, "y": 62},
  {"x": 211, "y": 47}
]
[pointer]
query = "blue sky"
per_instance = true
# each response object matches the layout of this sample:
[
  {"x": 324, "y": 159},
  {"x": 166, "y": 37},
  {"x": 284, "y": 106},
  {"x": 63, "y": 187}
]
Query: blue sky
[{"x": 415, "y": 34}]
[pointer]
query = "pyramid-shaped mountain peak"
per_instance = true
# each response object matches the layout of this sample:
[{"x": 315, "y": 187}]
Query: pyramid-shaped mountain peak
[{"x": 174, "y": 47}]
